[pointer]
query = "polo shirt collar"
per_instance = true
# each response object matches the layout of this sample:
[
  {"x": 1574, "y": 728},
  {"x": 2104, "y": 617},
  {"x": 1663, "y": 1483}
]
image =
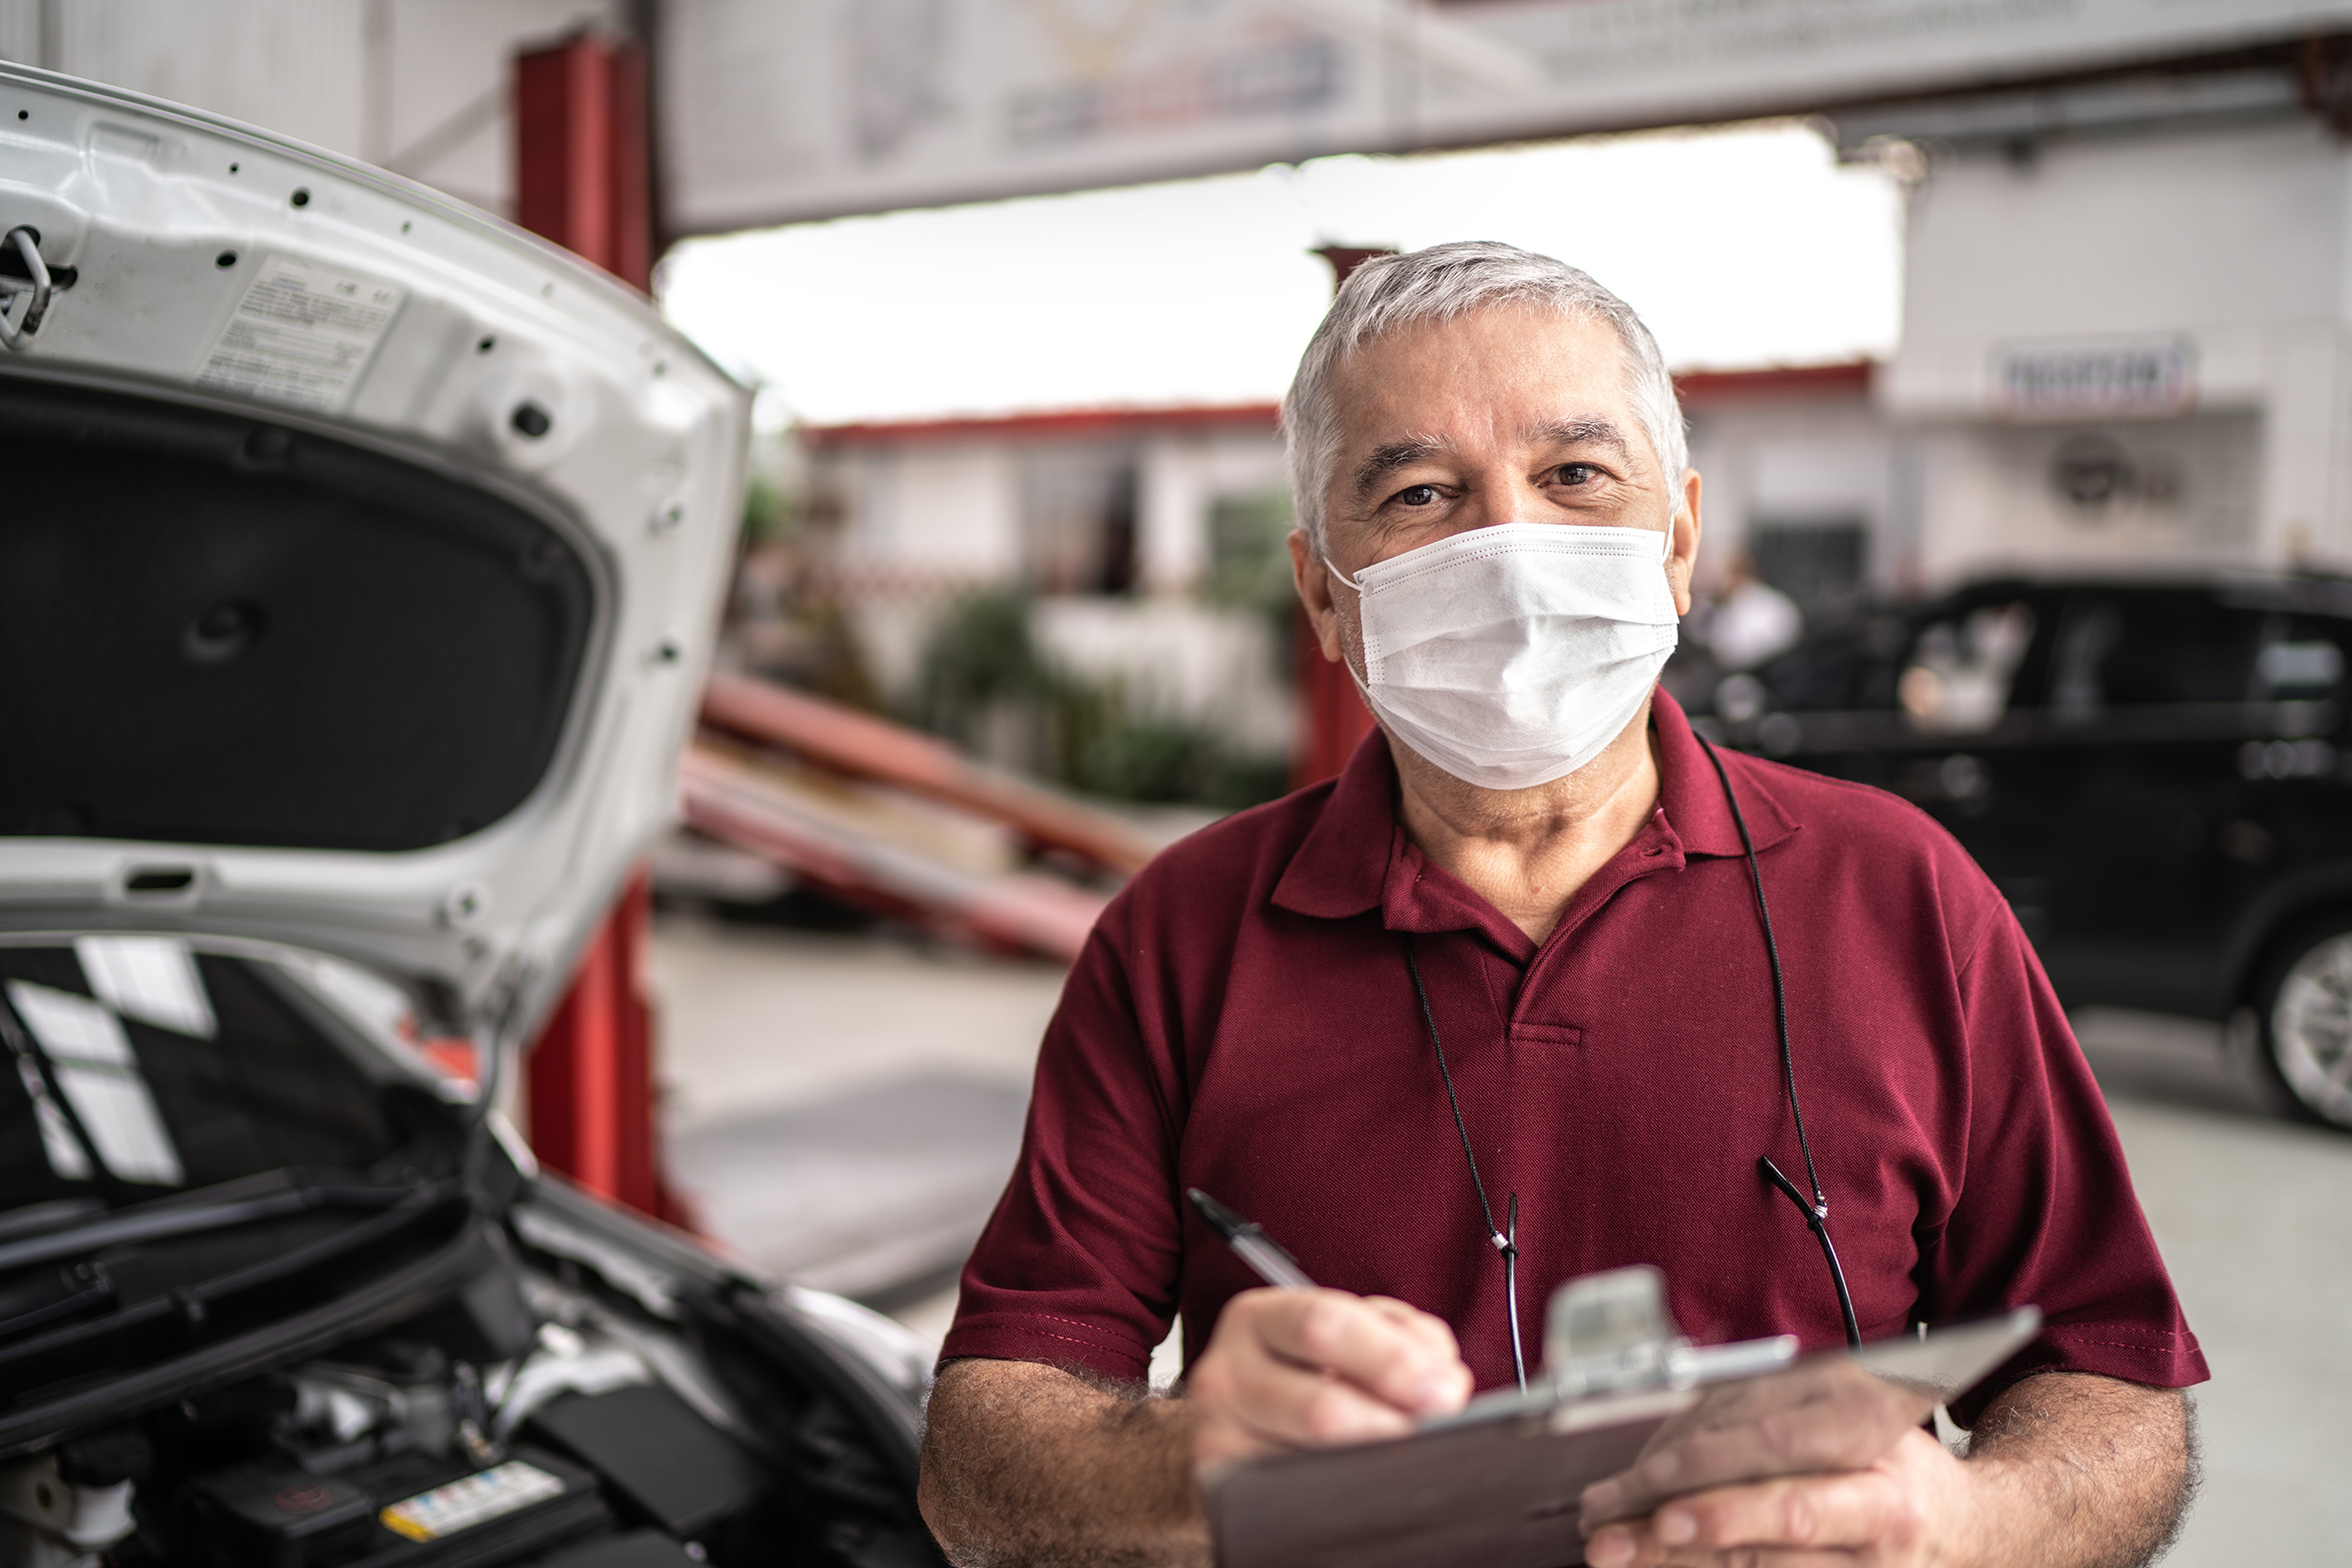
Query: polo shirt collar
[
  {"x": 1338, "y": 869},
  {"x": 1342, "y": 868},
  {"x": 1692, "y": 796}
]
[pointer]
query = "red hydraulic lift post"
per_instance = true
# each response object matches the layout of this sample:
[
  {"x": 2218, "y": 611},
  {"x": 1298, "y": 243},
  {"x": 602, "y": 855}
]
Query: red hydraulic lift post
[
  {"x": 1333, "y": 718},
  {"x": 582, "y": 179}
]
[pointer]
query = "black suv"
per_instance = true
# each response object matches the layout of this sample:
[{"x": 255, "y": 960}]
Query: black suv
[{"x": 2155, "y": 772}]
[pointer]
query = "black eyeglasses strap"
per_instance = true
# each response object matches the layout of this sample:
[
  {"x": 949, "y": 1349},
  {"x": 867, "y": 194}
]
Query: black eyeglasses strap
[
  {"x": 1504, "y": 1242},
  {"x": 1817, "y": 1212}
]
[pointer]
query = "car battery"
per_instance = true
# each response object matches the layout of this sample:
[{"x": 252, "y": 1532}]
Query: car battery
[
  {"x": 410, "y": 1512},
  {"x": 280, "y": 1515},
  {"x": 526, "y": 1503}
]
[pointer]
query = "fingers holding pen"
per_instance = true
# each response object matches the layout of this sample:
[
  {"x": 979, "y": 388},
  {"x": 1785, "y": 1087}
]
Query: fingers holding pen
[{"x": 1297, "y": 1368}]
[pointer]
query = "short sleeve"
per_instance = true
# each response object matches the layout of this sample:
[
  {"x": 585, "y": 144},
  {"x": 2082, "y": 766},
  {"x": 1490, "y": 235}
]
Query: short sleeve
[
  {"x": 1079, "y": 1263},
  {"x": 2045, "y": 1213}
]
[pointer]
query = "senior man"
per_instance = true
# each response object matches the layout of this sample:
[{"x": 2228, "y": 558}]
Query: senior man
[{"x": 1502, "y": 989}]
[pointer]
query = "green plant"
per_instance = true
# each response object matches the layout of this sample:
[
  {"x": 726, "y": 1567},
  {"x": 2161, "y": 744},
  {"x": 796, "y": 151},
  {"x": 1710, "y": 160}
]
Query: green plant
[
  {"x": 769, "y": 512},
  {"x": 980, "y": 655},
  {"x": 982, "y": 668}
]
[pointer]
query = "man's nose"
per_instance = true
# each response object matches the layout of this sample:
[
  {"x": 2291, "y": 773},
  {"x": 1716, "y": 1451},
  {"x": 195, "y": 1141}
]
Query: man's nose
[{"x": 1499, "y": 498}]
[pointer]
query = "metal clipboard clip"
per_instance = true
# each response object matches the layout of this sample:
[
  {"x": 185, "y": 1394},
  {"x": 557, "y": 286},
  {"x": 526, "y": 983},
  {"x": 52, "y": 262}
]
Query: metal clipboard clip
[{"x": 1610, "y": 1345}]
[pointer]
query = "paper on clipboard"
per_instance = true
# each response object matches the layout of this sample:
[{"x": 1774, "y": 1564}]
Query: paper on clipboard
[{"x": 1503, "y": 1487}]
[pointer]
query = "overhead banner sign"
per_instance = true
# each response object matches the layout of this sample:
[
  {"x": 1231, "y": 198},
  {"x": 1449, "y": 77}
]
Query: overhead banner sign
[{"x": 776, "y": 110}]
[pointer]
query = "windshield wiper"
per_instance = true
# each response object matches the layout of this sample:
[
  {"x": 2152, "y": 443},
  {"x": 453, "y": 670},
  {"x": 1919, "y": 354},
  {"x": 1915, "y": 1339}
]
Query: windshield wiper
[
  {"x": 43, "y": 1218},
  {"x": 188, "y": 1220},
  {"x": 23, "y": 1308}
]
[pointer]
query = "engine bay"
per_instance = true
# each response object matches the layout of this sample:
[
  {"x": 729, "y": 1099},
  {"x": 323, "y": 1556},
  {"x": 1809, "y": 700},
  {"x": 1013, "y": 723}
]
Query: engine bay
[
  {"x": 275, "y": 1295},
  {"x": 551, "y": 1421}
]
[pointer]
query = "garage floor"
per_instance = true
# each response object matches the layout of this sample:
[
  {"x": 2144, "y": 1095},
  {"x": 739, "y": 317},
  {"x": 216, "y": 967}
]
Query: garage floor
[{"x": 845, "y": 1108}]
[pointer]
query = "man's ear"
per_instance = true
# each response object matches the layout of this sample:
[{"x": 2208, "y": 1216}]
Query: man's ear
[
  {"x": 1314, "y": 592},
  {"x": 1682, "y": 557}
]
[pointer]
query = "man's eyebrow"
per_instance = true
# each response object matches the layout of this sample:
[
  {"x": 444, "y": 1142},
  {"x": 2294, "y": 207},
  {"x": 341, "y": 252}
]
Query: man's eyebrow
[
  {"x": 1592, "y": 431},
  {"x": 1382, "y": 461}
]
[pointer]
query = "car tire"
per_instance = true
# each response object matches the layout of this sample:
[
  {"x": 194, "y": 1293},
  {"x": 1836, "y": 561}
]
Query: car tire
[{"x": 2305, "y": 1004}]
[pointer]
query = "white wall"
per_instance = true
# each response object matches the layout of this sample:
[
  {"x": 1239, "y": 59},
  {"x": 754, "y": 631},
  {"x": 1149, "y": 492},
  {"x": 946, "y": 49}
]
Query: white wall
[
  {"x": 925, "y": 520},
  {"x": 1991, "y": 504},
  {"x": 416, "y": 86},
  {"x": 1178, "y": 658},
  {"x": 1795, "y": 457},
  {"x": 2232, "y": 239},
  {"x": 1183, "y": 476}
]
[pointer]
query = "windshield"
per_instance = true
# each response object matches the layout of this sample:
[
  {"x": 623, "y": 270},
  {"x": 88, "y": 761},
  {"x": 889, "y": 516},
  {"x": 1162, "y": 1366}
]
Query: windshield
[{"x": 141, "y": 1066}]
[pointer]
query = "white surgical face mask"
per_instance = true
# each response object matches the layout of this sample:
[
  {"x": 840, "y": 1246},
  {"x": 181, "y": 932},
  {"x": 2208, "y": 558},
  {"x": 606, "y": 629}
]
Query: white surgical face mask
[{"x": 1512, "y": 655}]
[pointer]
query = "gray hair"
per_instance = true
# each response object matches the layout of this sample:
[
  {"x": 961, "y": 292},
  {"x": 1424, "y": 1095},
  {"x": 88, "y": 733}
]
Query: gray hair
[{"x": 1390, "y": 293}]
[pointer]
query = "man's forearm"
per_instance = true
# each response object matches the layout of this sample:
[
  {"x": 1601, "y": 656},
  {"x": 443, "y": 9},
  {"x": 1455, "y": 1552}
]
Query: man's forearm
[
  {"x": 2095, "y": 1472},
  {"x": 1028, "y": 1464}
]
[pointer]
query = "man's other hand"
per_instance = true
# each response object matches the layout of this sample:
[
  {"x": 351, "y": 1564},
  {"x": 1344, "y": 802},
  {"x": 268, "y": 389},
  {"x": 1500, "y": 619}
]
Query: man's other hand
[
  {"x": 1826, "y": 1415},
  {"x": 1827, "y": 1464},
  {"x": 1910, "y": 1506},
  {"x": 1303, "y": 1368}
]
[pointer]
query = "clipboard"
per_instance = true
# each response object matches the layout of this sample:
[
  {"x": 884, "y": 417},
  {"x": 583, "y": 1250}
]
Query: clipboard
[{"x": 1500, "y": 1482}]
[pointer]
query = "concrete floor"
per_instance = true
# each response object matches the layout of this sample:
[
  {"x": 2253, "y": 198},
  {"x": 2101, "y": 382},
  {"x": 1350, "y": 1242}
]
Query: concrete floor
[{"x": 846, "y": 1105}]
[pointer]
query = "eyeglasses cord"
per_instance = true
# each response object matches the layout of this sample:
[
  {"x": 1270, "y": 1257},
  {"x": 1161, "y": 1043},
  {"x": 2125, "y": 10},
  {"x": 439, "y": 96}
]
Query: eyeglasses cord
[
  {"x": 1506, "y": 1242},
  {"x": 1816, "y": 1213}
]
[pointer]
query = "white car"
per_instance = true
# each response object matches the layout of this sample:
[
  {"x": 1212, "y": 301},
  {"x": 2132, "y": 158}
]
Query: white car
[{"x": 358, "y": 556}]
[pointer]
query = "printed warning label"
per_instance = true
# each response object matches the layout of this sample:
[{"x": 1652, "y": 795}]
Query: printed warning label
[
  {"x": 301, "y": 334},
  {"x": 473, "y": 1500}
]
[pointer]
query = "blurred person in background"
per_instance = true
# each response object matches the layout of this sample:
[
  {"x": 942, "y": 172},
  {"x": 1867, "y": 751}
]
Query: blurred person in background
[
  {"x": 1751, "y": 620},
  {"x": 1524, "y": 917}
]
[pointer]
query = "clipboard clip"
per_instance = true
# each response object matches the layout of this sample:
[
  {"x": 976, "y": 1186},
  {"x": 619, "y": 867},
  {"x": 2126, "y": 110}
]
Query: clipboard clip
[{"x": 1611, "y": 1332}]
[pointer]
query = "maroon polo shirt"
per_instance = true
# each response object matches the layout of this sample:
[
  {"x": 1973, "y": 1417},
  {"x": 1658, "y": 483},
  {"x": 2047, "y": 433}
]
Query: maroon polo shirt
[{"x": 1242, "y": 1020}]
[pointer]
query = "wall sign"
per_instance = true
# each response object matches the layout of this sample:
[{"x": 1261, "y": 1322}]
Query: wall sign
[{"x": 2087, "y": 381}]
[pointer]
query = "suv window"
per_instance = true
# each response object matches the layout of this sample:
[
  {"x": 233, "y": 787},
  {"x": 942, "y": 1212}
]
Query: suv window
[
  {"x": 175, "y": 1068},
  {"x": 1847, "y": 667},
  {"x": 2299, "y": 658},
  {"x": 1962, "y": 670},
  {"x": 2164, "y": 646}
]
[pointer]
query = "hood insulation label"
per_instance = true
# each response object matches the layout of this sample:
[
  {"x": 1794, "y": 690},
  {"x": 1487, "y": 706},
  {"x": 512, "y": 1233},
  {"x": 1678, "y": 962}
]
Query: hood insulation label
[{"x": 301, "y": 334}]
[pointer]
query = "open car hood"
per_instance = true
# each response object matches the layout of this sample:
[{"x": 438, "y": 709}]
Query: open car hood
[{"x": 359, "y": 559}]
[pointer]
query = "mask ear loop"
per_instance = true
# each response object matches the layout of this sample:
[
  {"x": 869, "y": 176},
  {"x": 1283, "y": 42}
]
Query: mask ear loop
[
  {"x": 1505, "y": 1241},
  {"x": 1817, "y": 1212}
]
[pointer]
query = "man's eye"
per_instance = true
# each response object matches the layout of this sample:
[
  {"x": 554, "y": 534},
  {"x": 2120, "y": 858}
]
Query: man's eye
[
  {"x": 1419, "y": 495},
  {"x": 1576, "y": 473}
]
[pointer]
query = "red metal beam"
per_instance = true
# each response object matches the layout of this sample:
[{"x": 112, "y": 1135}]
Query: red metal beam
[
  {"x": 1850, "y": 378},
  {"x": 581, "y": 160},
  {"x": 1074, "y": 422},
  {"x": 1332, "y": 717},
  {"x": 729, "y": 798},
  {"x": 589, "y": 1077},
  {"x": 581, "y": 179},
  {"x": 866, "y": 747}
]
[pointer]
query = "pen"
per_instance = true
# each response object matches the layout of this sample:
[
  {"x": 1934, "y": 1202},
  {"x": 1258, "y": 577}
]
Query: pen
[{"x": 1251, "y": 1244}]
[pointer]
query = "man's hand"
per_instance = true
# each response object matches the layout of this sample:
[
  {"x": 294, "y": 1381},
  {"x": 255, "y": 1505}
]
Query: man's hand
[
  {"x": 1914, "y": 1504},
  {"x": 2064, "y": 1469},
  {"x": 1042, "y": 1467},
  {"x": 1299, "y": 1368},
  {"x": 1826, "y": 1415}
]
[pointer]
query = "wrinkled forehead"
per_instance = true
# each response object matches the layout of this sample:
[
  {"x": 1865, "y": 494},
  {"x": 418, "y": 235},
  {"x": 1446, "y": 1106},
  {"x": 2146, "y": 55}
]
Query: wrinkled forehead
[{"x": 1484, "y": 373}]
